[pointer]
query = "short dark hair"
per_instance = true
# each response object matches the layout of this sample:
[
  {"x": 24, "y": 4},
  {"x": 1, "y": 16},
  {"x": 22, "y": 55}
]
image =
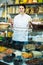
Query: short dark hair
[{"x": 22, "y": 5}]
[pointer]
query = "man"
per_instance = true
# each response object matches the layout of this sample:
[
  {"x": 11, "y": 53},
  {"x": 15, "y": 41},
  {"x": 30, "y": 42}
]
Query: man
[{"x": 21, "y": 24}]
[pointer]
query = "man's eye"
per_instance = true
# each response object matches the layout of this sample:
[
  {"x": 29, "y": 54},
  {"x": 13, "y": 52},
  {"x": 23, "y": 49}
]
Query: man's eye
[{"x": 20, "y": 8}]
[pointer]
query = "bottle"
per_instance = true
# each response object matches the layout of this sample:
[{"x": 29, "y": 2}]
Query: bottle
[
  {"x": 21, "y": 1},
  {"x": 36, "y": 18},
  {"x": 24, "y": 1},
  {"x": 40, "y": 1},
  {"x": 29, "y": 1},
  {"x": 16, "y": 1},
  {"x": 34, "y": 1},
  {"x": 6, "y": 33}
]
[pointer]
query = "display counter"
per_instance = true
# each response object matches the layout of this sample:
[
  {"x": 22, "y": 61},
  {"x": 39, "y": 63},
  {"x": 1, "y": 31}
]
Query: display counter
[
  {"x": 37, "y": 25},
  {"x": 18, "y": 59}
]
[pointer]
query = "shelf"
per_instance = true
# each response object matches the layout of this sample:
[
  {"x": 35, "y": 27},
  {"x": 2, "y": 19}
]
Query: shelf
[
  {"x": 32, "y": 4},
  {"x": 13, "y": 8},
  {"x": 40, "y": 15},
  {"x": 3, "y": 19},
  {"x": 27, "y": 13},
  {"x": 26, "y": 4}
]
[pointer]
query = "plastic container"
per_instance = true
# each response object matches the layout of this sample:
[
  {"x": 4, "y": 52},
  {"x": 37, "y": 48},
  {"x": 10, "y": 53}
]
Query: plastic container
[{"x": 17, "y": 62}]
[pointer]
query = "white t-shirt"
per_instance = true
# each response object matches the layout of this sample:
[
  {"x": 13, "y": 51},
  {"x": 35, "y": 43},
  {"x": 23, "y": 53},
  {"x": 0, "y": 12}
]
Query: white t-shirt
[{"x": 20, "y": 27}]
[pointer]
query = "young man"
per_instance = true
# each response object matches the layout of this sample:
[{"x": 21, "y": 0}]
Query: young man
[{"x": 21, "y": 25}]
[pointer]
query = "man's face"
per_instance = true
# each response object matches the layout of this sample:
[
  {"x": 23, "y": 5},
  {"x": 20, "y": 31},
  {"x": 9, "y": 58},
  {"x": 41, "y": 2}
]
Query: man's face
[{"x": 21, "y": 9}]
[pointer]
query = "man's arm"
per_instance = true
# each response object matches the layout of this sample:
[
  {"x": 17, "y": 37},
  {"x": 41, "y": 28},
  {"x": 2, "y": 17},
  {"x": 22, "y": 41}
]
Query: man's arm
[
  {"x": 30, "y": 25},
  {"x": 10, "y": 20}
]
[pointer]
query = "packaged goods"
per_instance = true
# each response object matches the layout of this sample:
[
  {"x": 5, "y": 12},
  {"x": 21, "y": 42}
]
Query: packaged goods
[
  {"x": 33, "y": 62},
  {"x": 40, "y": 9},
  {"x": 9, "y": 34},
  {"x": 17, "y": 10},
  {"x": 2, "y": 49},
  {"x": 2, "y": 55},
  {"x": 9, "y": 51},
  {"x": 36, "y": 54},
  {"x": 26, "y": 55},
  {"x": 41, "y": 47},
  {"x": 30, "y": 47}
]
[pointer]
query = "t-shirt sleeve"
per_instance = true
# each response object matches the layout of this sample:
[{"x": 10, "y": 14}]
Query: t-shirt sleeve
[
  {"x": 14, "y": 22},
  {"x": 30, "y": 19}
]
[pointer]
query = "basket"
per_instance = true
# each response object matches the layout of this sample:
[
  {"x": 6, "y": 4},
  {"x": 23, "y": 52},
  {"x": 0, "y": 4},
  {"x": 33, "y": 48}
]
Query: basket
[{"x": 4, "y": 25}]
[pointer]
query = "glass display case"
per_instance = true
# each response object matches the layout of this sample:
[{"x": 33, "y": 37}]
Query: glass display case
[{"x": 32, "y": 53}]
